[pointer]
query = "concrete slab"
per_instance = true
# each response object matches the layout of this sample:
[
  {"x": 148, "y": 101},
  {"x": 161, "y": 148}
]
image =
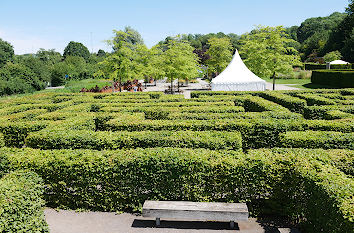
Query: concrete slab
[{"x": 69, "y": 221}]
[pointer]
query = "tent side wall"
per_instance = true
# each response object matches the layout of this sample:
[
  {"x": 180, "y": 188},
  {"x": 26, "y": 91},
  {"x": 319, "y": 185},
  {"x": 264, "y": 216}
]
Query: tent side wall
[{"x": 252, "y": 86}]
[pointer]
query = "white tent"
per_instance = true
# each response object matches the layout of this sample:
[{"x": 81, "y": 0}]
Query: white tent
[
  {"x": 338, "y": 62},
  {"x": 237, "y": 77}
]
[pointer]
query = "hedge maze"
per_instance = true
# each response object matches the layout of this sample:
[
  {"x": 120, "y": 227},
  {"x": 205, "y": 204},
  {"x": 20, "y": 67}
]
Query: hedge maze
[{"x": 284, "y": 153}]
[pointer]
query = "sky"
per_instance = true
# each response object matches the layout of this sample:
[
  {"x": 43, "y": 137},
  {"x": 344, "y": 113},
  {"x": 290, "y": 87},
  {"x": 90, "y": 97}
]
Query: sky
[{"x": 51, "y": 24}]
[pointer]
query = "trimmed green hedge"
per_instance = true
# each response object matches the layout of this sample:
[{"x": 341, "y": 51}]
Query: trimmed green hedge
[
  {"x": 317, "y": 139},
  {"x": 21, "y": 203},
  {"x": 14, "y": 133},
  {"x": 258, "y": 104},
  {"x": 292, "y": 103},
  {"x": 311, "y": 66},
  {"x": 313, "y": 99},
  {"x": 2, "y": 141},
  {"x": 333, "y": 78},
  {"x": 319, "y": 112},
  {"x": 85, "y": 139},
  {"x": 294, "y": 183}
]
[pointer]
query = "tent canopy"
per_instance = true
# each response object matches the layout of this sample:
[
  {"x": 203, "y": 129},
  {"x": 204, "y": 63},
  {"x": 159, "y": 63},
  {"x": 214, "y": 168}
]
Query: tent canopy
[
  {"x": 237, "y": 77},
  {"x": 338, "y": 62}
]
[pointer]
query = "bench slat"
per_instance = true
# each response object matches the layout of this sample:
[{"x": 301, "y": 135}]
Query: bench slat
[{"x": 196, "y": 210}]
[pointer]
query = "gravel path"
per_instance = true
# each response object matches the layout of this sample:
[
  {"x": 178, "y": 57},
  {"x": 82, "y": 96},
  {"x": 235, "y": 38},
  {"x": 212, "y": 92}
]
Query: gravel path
[{"x": 68, "y": 221}]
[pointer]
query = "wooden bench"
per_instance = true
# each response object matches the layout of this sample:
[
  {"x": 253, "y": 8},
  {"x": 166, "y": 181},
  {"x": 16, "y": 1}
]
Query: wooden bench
[{"x": 205, "y": 211}]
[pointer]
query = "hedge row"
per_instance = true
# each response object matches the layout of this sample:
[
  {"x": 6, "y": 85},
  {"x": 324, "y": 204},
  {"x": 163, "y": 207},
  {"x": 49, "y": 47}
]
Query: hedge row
[
  {"x": 333, "y": 78},
  {"x": 256, "y": 133},
  {"x": 313, "y": 99},
  {"x": 258, "y": 104},
  {"x": 196, "y": 94},
  {"x": 85, "y": 139},
  {"x": 282, "y": 182},
  {"x": 319, "y": 112},
  {"x": 309, "y": 66},
  {"x": 21, "y": 203},
  {"x": 240, "y": 115},
  {"x": 317, "y": 139},
  {"x": 192, "y": 109},
  {"x": 14, "y": 133},
  {"x": 292, "y": 103}
]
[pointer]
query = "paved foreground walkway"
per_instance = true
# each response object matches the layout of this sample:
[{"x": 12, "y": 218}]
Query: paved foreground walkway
[{"x": 68, "y": 221}]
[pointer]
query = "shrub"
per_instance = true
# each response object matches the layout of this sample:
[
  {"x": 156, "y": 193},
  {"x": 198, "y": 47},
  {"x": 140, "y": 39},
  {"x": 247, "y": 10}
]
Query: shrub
[
  {"x": 156, "y": 114},
  {"x": 2, "y": 141},
  {"x": 258, "y": 104},
  {"x": 295, "y": 183},
  {"x": 319, "y": 112},
  {"x": 317, "y": 139},
  {"x": 155, "y": 95},
  {"x": 21, "y": 203},
  {"x": 95, "y": 107},
  {"x": 115, "y": 140},
  {"x": 292, "y": 103},
  {"x": 313, "y": 99},
  {"x": 333, "y": 78},
  {"x": 15, "y": 132},
  {"x": 309, "y": 66}
]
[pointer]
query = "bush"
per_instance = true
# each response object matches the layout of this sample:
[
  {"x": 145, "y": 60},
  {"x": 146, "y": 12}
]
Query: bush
[
  {"x": 333, "y": 78},
  {"x": 292, "y": 103},
  {"x": 317, "y": 139},
  {"x": 15, "y": 133},
  {"x": 309, "y": 66},
  {"x": 155, "y": 95},
  {"x": 319, "y": 112},
  {"x": 313, "y": 99},
  {"x": 21, "y": 203},
  {"x": 156, "y": 114},
  {"x": 258, "y": 104},
  {"x": 83, "y": 139},
  {"x": 294, "y": 183}
]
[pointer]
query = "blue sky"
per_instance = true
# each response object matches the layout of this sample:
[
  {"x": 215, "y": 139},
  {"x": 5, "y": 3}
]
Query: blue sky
[{"x": 32, "y": 24}]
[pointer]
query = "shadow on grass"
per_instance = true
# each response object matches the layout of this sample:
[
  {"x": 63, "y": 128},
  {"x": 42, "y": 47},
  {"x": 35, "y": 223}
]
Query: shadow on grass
[{"x": 318, "y": 86}]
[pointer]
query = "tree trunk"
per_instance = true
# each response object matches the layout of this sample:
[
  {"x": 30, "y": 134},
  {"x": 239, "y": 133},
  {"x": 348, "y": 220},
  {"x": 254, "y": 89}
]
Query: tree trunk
[
  {"x": 171, "y": 86},
  {"x": 273, "y": 81},
  {"x": 120, "y": 84}
]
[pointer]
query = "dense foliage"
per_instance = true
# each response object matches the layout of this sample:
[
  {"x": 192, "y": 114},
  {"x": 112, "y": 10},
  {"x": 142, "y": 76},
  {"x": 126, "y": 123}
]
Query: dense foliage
[
  {"x": 110, "y": 152},
  {"x": 21, "y": 203}
]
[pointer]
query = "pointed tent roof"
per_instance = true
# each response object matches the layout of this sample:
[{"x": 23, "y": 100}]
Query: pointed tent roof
[
  {"x": 236, "y": 72},
  {"x": 338, "y": 62}
]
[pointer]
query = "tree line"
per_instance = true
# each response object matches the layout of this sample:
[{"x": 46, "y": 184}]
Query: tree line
[{"x": 267, "y": 51}]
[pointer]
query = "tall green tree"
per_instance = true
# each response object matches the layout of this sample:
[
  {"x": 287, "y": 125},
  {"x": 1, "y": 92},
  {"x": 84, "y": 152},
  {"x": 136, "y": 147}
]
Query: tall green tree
[
  {"x": 220, "y": 54},
  {"x": 266, "y": 51},
  {"x": 49, "y": 57},
  {"x": 128, "y": 36},
  {"x": 76, "y": 49},
  {"x": 342, "y": 37},
  {"x": 332, "y": 56},
  {"x": 179, "y": 61},
  {"x": 6, "y": 52}
]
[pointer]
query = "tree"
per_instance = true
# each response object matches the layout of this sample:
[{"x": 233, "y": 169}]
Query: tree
[
  {"x": 101, "y": 53},
  {"x": 179, "y": 61},
  {"x": 332, "y": 56},
  {"x": 49, "y": 57},
  {"x": 6, "y": 52},
  {"x": 220, "y": 54},
  {"x": 341, "y": 37},
  {"x": 129, "y": 36},
  {"x": 266, "y": 51},
  {"x": 118, "y": 65},
  {"x": 76, "y": 49}
]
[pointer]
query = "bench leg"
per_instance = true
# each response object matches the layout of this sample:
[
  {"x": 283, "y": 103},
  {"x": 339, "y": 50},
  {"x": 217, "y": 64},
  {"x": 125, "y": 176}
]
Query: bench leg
[
  {"x": 157, "y": 222},
  {"x": 232, "y": 224}
]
